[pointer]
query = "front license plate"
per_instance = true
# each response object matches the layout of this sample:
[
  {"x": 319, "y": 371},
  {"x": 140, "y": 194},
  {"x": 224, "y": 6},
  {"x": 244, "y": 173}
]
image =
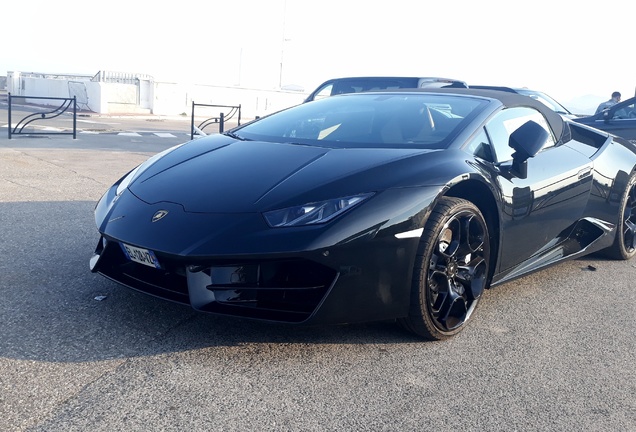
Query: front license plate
[{"x": 141, "y": 256}]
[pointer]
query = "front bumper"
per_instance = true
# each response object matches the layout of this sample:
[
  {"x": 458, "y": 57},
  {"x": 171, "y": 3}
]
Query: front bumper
[
  {"x": 285, "y": 289},
  {"x": 357, "y": 269}
]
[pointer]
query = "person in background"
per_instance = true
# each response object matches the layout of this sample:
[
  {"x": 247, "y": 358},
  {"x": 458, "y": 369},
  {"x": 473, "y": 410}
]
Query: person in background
[{"x": 616, "y": 98}]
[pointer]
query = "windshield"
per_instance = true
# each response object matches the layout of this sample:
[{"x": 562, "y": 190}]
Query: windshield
[{"x": 369, "y": 120}]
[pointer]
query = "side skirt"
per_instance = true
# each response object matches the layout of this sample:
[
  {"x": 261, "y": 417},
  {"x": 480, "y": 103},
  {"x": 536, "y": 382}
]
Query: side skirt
[{"x": 588, "y": 235}]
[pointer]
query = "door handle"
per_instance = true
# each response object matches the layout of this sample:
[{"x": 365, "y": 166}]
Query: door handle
[{"x": 585, "y": 172}]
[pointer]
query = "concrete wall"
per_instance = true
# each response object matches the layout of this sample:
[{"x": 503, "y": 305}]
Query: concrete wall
[
  {"x": 159, "y": 98},
  {"x": 175, "y": 99},
  {"x": 89, "y": 95}
]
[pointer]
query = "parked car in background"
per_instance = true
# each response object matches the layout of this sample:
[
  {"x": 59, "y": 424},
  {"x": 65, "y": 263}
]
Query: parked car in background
[
  {"x": 619, "y": 119},
  {"x": 359, "y": 84},
  {"x": 534, "y": 94},
  {"x": 403, "y": 204}
]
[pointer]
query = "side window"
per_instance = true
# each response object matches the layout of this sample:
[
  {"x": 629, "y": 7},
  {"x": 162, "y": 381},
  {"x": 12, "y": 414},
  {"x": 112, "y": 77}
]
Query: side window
[
  {"x": 626, "y": 112},
  {"x": 479, "y": 145},
  {"x": 324, "y": 92},
  {"x": 501, "y": 126}
]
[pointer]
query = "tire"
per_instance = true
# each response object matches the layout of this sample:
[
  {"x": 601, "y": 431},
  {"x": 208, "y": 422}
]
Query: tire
[
  {"x": 451, "y": 270},
  {"x": 624, "y": 246}
]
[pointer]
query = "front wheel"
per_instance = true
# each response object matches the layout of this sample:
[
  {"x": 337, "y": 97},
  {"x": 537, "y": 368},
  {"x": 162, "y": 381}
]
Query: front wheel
[
  {"x": 451, "y": 270},
  {"x": 624, "y": 246}
]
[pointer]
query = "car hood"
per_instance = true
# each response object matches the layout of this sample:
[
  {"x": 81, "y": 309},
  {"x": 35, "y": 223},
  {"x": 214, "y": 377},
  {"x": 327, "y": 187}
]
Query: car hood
[{"x": 223, "y": 175}]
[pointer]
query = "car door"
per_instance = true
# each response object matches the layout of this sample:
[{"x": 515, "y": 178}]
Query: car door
[
  {"x": 619, "y": 119},
  {"x": 539, "y": 211}
]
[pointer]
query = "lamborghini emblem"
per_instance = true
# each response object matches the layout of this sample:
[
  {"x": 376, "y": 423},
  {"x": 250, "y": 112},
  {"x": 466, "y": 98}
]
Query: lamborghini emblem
[{"x": 159, "y": 215}]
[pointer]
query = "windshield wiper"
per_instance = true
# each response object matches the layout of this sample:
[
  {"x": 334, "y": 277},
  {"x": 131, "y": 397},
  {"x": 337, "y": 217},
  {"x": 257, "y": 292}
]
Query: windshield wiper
[{"x": 235, "y": 136}]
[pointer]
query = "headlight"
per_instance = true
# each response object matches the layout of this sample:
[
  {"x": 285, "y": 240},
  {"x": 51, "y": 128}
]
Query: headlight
[
  {"x": 313, "y": 213},
  {"x": 141, "y": 168}
]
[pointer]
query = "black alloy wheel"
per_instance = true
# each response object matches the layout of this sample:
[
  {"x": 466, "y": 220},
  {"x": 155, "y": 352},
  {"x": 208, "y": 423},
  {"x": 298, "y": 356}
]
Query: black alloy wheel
[
  {"x": 624, "y": 246},
  {"x": 451, "y": 270}
]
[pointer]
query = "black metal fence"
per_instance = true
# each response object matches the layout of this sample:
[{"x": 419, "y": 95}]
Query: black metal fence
[
  {"x": 221, "y": 119},
  {"x": 65, "y": 105}
]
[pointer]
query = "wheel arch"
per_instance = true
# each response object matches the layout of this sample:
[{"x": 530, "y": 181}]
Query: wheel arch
[{"x": 481, "y": 195}]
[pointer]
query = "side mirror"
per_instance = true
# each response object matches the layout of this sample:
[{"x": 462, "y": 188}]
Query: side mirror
[{"x": 526, "y": 141}]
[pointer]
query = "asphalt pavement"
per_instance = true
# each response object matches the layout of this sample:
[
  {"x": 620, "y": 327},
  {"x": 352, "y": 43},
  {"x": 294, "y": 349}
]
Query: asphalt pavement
[{"x": 552, "y": 351}]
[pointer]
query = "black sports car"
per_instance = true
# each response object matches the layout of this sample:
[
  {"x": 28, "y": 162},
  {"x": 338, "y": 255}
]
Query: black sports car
[
  {"x": 534, "y": 94},
  {"x": 370, "y": 206},
  {"x": 619, "y": 119}
]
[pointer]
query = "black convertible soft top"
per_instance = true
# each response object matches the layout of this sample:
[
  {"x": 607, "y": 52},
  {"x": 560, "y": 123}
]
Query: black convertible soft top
[{"x": 560, "y": 127}]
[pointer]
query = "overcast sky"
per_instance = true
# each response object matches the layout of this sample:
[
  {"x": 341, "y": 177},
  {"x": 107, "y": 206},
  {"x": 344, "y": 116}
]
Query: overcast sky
[{"x": 567, "y": 48}]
